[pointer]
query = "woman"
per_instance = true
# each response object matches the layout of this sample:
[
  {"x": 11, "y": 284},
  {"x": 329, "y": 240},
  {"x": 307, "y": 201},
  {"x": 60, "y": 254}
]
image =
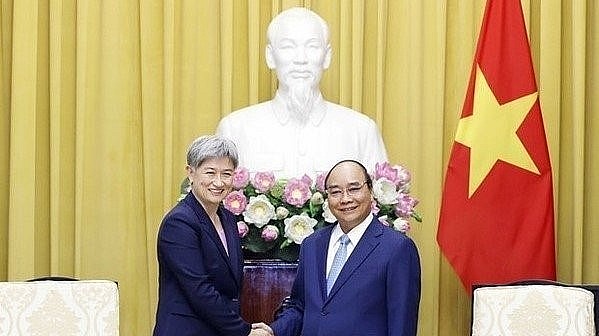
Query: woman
[{"x": 199, "y": 252}]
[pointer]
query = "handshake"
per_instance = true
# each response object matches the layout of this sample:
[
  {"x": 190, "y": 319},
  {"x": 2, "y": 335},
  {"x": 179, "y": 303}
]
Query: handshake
[{"x": 261, "y": 329}]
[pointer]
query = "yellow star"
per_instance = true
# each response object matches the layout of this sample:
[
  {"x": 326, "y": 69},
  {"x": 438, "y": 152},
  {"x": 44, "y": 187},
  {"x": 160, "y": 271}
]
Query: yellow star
[{"x": 490, "y": 132}]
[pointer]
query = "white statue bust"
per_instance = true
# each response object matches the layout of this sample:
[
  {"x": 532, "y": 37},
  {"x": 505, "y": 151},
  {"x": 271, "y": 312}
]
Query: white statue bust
[{"x": 299, "y": 132}]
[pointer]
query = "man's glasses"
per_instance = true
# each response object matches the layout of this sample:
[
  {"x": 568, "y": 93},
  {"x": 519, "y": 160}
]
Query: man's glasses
[{"x": 351, "y": 190}]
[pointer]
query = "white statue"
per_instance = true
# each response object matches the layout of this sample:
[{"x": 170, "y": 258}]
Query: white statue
[{"x": 298, "y": 131}]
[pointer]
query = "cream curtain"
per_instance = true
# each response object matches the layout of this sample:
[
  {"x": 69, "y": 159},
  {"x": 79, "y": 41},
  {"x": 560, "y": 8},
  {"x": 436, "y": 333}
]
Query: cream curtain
[{"x": 99, "y": 100}]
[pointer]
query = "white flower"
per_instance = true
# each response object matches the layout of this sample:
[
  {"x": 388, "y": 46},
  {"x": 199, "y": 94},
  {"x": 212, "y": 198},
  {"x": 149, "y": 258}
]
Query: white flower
[
  {"x": 401, "y": 225},
  {"x": 384, "y": 220},
  {"x": 327, "y": 214},
  {"x": 385, "y": 191},
  {"x": 317, "y": 198},
  {"x": 282, "y": 212},
  {"x": 299, "y": 227},
  {"x": 259, "y": 211}
]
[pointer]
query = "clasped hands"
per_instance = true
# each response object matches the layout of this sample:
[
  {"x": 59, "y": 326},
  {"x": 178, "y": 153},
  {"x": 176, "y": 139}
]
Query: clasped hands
[{"x": 261, "y": 329}]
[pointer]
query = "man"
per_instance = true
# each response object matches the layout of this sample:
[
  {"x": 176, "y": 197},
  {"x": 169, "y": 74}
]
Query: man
[
  {"x": 357, "y": 277},
  {"x": 298, "y": 131}
]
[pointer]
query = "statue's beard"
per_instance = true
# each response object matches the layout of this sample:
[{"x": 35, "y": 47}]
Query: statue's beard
[{"x": 301, "y": 101}]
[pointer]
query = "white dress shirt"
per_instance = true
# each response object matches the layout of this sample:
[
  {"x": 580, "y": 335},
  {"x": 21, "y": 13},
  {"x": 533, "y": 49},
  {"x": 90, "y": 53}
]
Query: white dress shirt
[{"x": 354, "y": 236}]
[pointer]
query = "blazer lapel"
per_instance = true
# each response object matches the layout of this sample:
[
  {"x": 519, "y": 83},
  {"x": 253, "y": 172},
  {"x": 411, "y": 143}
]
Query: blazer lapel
[
  {"x": 207, "y": 226},
  {"x": 366, "y": 245},
  {"x": 322, "y": 248},
  {"x": 235, "y": 259}
]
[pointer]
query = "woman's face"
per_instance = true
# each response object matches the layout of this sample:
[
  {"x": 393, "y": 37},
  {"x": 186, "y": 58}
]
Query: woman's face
[{"x": 212, "y": 180}]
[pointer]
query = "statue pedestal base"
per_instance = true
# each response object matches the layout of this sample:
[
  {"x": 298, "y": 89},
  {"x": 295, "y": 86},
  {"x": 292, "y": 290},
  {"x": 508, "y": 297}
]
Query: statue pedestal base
[{"x": 265, "y": 284}]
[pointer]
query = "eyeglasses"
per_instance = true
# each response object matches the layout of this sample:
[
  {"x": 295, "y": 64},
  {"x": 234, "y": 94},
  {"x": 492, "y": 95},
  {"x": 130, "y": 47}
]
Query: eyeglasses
[{"x": 352, "y": 190}]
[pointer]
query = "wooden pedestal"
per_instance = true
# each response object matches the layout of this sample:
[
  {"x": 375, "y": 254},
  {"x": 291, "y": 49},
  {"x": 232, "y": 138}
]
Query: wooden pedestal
[{"x": 265, "y": 284}]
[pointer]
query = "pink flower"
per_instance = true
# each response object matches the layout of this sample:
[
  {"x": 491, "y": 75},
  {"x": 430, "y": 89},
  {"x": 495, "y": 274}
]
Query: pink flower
[
  {"x": 397, "y": 174},
  {"x": 403, "y": 175},
  {"x": 405, "y": 205},
  {"x": 306, "y": 179},
  {"x": 374, "y": 207},
  {"x": 263, "y": 181},
  {"x": 241, "y": 178},
  {"x": 320, "y": 182},
  {"x": 235, "y": 202},
  {"x": 297, "y": 192},
  {"x": 242, "y": 229},
  {"x": 270, "y": 233},
  {"x": 384, "y": 169}
]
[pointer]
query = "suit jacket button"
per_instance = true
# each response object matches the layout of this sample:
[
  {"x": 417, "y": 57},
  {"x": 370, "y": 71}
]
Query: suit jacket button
[{"x": 323, "y": 313}]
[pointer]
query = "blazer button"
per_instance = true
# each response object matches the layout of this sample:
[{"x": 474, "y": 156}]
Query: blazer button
[{"x": 323, "y": 313}]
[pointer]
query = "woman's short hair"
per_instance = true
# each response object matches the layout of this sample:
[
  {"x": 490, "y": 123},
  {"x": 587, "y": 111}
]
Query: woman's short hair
[{"x": 209, "y": 147}]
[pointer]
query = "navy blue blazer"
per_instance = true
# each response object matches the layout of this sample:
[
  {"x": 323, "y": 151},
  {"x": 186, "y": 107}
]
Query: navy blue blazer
[
  {"x": 199, "y": 285},
  {"x": 377, "y": 292}
]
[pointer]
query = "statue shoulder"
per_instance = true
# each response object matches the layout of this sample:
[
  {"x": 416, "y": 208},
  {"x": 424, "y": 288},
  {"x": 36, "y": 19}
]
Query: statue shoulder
[
  {"x": 247, "y": 113},
  {"x": 341, "y": 112}
]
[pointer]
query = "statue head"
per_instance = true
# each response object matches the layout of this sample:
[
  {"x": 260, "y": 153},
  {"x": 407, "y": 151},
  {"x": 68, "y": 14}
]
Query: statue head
[{"x": 298, "y": 48}]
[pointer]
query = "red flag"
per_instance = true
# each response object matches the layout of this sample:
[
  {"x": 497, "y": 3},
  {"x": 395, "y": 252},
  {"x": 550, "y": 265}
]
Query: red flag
[{"x": 496, "y": 219}]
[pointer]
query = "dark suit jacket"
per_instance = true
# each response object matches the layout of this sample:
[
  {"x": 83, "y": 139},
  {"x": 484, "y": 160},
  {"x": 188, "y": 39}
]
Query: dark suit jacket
[
  {"x": 199, "y": 285},
  {"x": 377, "y": 292}
]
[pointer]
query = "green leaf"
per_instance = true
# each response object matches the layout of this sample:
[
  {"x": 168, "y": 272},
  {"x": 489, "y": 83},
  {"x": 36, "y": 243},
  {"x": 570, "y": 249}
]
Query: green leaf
[
  {"x": 321, "y": 223},
  {"x": 289, "y": 253},
  {"x": 254, "y": 242},
  {"x": 250, "y": 191},
  {"x": 315, "y": 209},
  {"x": 417, "y": 216}
]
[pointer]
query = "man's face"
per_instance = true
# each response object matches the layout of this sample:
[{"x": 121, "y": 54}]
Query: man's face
[
  {"x": 349, "y": 196},
  {"x": 298, "y": 53}
]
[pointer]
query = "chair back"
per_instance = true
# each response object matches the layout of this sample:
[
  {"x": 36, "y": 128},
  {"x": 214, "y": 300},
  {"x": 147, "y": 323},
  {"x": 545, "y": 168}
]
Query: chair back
[
  {"x": 48, "y": 307},
  {"x": 590, "y": 287},
  {"x": 532, "y": 309}
]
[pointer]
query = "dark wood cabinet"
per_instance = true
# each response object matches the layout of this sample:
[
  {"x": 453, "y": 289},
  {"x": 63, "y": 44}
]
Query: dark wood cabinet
[{"x": 265, "y": 284}]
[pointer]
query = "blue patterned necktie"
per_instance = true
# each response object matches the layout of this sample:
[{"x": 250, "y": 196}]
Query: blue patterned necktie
[{"x": 338, "y": 262}]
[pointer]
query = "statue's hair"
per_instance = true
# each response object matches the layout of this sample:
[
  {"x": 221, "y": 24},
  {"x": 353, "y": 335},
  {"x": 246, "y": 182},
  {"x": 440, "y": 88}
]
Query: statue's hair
[{"x": 298, "y": 13}]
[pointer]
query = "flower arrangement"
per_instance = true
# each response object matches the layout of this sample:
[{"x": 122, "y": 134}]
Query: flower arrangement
[{"x": 275, "y": 216}]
